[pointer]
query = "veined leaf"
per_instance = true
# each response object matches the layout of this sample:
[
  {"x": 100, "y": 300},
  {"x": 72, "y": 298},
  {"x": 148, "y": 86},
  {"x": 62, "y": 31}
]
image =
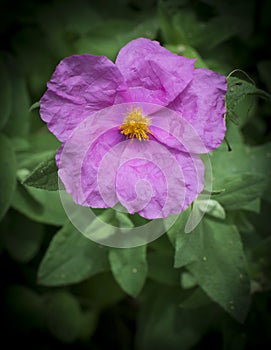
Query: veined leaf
[
  {"x": 44, "y": 176},
  {"x": 238, "y": 89}
]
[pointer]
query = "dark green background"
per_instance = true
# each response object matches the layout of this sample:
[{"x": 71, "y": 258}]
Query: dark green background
[{"x": 166, "y": 307}]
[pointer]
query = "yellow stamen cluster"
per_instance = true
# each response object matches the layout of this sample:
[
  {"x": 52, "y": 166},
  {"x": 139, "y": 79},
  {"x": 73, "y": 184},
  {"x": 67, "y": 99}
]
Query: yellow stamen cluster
[{"x": 135, "y": 125}]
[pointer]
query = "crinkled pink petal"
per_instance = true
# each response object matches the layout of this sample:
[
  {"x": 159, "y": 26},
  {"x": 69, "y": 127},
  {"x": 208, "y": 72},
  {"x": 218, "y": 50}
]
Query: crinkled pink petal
[
  {"x": 79, "y": 86},
  {"x": 142, "y": 187},
  {"x": 169, "y": 128},
  {"x": 155, "y": 182},
  {"x": 71, "y": 156},
  {"x": 202, "y": 104},
  {"x": 98, "y": 177},
  {"x": 99, "y": 167},
  {"x": 153, "y": 73},
  {"x": 79, "y": 167}
]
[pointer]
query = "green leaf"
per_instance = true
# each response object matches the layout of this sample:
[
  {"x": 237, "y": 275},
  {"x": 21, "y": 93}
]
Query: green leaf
[
  {"x": 196, "y": 299},
  {"x": 71, "y": 258},
  {"x": 166, "y": 24},
  {"x": 188, "y": 246},
  {"x": 18, "y": 124},
  {"x": 241, "y": 190},
  {"x": 102, "y": 226},
  {"x": 188, "y": 27},
  {"x": 238, "y": 89},
  {"x": 219, "y": 268},
  {"x": 129, "y": 267},
  {"x": 96, "y": 288},
  {"x": 43, "y": 140},
  {"x": 5, "y": 95},
  {"x": 108, "y": 40},
  {"x": 241, "y": 220},
  {"x": 7, "y": 174},
  {"x": 245, "y": 110},
  {"x": 189, "y": 30},
  {"x": 34, "y": 106},
  {"x": 187, "y": 280},
  {"x": 188, "y": 51},
  {"x": 211, "y": 207},
  {"x": 63, "y": 315},
  {"x": 218, "y": 30},
  {"x": 178, "y": 226},
  {"x": 160, "y": 268},
  {"x": 89, "y": 322},
  {"x": 39, "y": 205},
  {"x": 242, "y": 160},
  {"x": 44, "y": 175},
  {"x": 123, "y": 220},
  {"x": 164, "y": 324},
  {"x": 23, "y": 237},
  {"x": 254, "y": 206},
  {"x": 28, "y": 160}
]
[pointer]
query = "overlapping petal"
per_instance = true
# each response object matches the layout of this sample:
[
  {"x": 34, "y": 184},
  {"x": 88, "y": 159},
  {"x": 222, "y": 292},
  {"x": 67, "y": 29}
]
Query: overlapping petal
[
  {"x": 90, "y": 139},
  {"x": 79, "y": 86},
  {"x": 85, "y": 104},
  {"x": 174, "y": 131},
  {"x": 157, "y": 182},
  {"x": 202, "y": 104},
  {"x": 153, "y": 73},
  {"x": 99, "y": 167}
]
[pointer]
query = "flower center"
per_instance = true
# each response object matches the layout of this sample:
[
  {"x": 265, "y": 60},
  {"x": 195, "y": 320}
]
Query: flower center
[{"x": 135, "y": 125}]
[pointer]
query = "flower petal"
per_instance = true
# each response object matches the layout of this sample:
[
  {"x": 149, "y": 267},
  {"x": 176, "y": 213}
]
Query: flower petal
[
  {"x": 80, "y": 155},
  {"x": 153, "y": 73},
  {"x": 99, "y": 167},
  {"x": 99, "y": 170},
  {"x": 202, "y": 104},
  {"x": 79, "y": 165},
  {"x": 172, "y": 130},
  {"x": 155, "y": 182},
  {"x": 79, "y": 86}
]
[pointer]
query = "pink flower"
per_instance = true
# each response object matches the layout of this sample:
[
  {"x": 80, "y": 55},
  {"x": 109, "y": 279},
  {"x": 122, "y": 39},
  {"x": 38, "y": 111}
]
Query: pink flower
[{"x": 169, "y": 109}]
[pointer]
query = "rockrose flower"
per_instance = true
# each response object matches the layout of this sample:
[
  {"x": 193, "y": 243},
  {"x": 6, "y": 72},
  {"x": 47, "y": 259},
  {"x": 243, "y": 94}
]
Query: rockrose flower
[{"x": 132, "y": 130}]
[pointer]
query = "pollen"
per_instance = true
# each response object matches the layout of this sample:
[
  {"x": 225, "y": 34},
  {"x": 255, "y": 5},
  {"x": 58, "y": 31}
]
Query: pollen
[{"x": 135, "y": 125}]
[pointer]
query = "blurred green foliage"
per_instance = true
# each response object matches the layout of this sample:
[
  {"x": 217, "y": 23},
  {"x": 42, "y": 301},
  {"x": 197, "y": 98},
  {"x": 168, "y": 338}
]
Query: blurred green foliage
[{"x": 209, "y": 288}]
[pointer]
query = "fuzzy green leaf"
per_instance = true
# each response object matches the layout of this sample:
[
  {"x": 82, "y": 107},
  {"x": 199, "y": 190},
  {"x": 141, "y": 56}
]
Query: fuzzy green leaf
[
  {"x": 44, "y": 176},
  {"x": 238, "y": 89}
]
